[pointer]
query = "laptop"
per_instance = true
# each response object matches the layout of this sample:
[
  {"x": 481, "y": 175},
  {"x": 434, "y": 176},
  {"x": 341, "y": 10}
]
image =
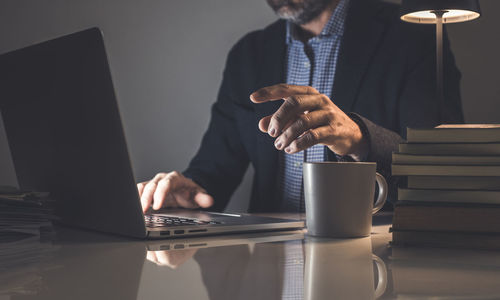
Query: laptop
[{"x": 65, "y": 136}]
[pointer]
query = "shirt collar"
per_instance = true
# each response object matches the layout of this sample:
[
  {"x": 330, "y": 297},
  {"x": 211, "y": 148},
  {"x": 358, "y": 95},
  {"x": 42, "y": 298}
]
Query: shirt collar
[{"x": 335, "y": 24}]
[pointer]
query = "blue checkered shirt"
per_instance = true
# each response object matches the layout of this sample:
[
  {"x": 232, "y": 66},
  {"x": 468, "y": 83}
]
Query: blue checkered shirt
[{"x": 312, "y": 64}]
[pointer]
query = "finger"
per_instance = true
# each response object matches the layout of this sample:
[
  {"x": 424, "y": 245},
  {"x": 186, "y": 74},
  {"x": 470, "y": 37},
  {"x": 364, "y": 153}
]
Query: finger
[
  {"x": 293, "y": 107},
  {"x": 170, "y": 201},
  {"x": 163, "y": 258},
  {"x": 140, "y": 187},
  {"x": 185, "y": 198},
  {"x": 203, "y": 200},
  {"x": 300, "y": 125},
  {"x": 280, "y": 91},
  {"x": 151, "y": 256},
  {"x": 193, "y": 197},
  {"x": 160, "y": 193},
  {"x": 308, "y": 139},
  {"x": 264, "y": 123},
  {"x": 163, "y": 188},
  {"x": 174, "y": 258},
  {"x": 159, "y": 177},
  {"x": 147, "y": 195}
]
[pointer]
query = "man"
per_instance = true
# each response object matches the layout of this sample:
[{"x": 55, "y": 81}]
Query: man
[{"x": 341, "y": 79}]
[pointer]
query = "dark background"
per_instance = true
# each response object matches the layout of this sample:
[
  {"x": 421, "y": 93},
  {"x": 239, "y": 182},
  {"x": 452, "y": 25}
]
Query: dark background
[{"x": 167, "y": 57}]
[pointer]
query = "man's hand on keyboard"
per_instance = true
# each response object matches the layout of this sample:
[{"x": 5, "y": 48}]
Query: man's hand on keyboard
[{"x": 172, "y": 190}]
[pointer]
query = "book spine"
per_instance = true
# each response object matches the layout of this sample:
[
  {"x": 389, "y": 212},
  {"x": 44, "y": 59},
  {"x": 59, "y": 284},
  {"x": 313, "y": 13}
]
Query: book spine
[
  {"x": 454, "y": 182},
  {"x": 447, "y": 218},
  {"x": 411, "y": 159},
  {"x": 436, "y": 170},
  {"x": 450, "y": 149},
  {"x": 452, "y": 196},
  {"x": 453, "y": 135}
]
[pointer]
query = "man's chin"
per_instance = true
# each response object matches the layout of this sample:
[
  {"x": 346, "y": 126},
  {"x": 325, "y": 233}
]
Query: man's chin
[
  {"x": 298, "y": 11},
  {"x": 289, "y": 14}
]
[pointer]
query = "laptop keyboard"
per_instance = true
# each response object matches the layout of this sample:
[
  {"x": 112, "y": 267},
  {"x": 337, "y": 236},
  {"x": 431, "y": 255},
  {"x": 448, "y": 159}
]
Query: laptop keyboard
[{"x": 168, "y": 221}]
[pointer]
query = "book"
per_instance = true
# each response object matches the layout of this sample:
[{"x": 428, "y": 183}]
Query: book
[
  {"x": 454, "y": 196},
  {"x": 412, "y": 159},
  {"x": 454, "y": 182},
  {"x": 434, "y": 216},
  {"x": 450, "y": 149},
  {"x": 440, "y": 170},
  {"x": 443, "y": 256},
  {"x": 456, "y": 240},
  {"x": 455, "y": 133},
  {"x": 25, "y": 212}
]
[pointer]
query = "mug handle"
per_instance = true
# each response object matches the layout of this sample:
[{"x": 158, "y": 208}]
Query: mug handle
[
  {"x": 382, "y": 276},
  {"x": 382, "y": 193}
]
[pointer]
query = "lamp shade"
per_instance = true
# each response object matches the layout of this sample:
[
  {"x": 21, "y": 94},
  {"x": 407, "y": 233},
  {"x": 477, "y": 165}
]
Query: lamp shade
[{"x": 421, "y": 11}]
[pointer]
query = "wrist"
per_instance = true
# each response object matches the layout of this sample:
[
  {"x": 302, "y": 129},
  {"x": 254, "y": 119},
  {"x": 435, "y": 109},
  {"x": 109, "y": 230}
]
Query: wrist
[
  {"x": 360, "y": 151},
  {"x": 355, "y": 145},
  {"x": 362, "y": 139}
]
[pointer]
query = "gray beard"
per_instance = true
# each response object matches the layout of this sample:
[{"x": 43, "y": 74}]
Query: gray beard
[{"x": 298, "y": 13}]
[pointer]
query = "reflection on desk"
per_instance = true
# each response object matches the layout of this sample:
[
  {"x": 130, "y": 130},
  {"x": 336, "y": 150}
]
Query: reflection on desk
[
  {"x": 282, "y": 265},
  {"x": 442, "y": 273}
]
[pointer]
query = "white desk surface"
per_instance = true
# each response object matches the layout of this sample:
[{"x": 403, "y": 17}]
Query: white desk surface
[{"x": 80, "y": 264}]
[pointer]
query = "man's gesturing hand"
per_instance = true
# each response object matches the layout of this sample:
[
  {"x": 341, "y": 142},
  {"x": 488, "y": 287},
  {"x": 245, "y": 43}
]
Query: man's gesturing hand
[
  {"x": 172, "y": 190},
  {"x": 307, "y": 118}
]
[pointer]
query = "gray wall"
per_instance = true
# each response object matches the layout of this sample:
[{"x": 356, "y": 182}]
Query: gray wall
[
  {"x": 167, "y": 59},
  {"x": 477, "y": 47}
]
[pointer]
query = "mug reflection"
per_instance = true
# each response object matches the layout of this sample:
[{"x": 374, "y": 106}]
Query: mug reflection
[{"x": 342, "y": 269}]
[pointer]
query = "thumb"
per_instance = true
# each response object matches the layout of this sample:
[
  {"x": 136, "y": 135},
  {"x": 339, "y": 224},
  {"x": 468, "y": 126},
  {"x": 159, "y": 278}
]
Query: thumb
[{"x": 203, "y": 200}]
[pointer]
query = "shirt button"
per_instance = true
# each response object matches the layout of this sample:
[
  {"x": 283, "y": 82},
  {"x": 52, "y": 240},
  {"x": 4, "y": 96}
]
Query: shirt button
[
  {"x": 307, "y": 64},
  {"x": 297, "y": 164}
]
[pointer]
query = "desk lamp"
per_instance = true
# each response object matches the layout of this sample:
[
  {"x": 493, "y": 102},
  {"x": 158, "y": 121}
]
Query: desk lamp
[{"x": 439, "y": 12}]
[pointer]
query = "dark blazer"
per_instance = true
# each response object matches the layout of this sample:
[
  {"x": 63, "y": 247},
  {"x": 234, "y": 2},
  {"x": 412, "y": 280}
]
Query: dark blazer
[{"x": 385, "y": 80}]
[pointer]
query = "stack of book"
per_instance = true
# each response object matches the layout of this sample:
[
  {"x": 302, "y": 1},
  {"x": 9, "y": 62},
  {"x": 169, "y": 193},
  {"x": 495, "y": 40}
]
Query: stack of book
[
  {"x": 24, "y": 212},
  {"x": 452, "y": 196}
]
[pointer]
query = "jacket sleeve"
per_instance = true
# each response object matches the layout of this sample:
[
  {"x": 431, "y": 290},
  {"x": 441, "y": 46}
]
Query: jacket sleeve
[{"x": 221, "y": 161}]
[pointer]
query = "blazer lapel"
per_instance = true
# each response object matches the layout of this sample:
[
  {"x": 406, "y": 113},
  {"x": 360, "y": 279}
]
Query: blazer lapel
[{"x": 362, "y": 35}]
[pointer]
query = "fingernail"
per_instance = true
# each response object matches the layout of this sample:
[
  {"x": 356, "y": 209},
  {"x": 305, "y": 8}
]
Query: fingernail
[
  {"x": 288, "y": 150},
  {"x": 272, "y": 132},
  {"x": 278, "y": 145}
]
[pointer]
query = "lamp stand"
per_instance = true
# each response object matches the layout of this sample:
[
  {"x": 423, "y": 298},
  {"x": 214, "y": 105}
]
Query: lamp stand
[{"x": 439, "y": 63}]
